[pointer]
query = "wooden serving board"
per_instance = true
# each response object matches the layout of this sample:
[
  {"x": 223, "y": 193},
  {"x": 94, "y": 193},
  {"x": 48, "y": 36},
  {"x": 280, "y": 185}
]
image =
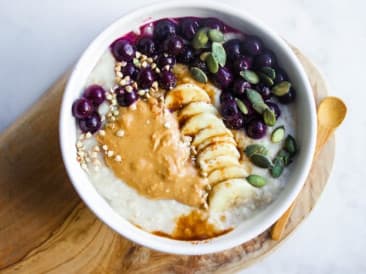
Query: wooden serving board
[{"x": 46, "y": 228}]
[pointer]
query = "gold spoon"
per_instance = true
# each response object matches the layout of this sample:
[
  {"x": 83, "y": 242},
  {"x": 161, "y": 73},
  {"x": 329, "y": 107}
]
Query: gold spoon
[{"x": 331, "y": 113}]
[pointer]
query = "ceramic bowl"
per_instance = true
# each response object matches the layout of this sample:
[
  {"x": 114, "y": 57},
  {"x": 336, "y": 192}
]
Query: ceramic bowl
[{"x": 306, "y": 125}]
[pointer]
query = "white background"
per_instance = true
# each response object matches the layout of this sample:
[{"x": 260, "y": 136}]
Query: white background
[{"x": 40, "y": 39}]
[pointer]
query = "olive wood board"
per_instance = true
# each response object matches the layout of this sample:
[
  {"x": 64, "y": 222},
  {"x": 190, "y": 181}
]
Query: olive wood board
[{"x": 46, "y": 228}]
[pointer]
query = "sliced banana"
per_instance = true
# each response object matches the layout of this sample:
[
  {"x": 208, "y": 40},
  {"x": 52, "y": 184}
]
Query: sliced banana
[
  {"x": 218, "y": 162},
  {"x": 225, "y": 138},
  {"x": 209, "y": 133},
  {"x": 213, "y": 151},
  {"x": 201, "y": 121},
  {"x": 230, "y": 193},
  {"x": 225, "y": 173},
  {"x": 185, "y": 94},
  {"x": 195, "y": 108}
]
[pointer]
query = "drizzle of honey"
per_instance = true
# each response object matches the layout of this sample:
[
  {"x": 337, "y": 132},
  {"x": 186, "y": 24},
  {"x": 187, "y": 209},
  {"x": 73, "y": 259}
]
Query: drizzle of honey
[{"x": 193, "y": 227}]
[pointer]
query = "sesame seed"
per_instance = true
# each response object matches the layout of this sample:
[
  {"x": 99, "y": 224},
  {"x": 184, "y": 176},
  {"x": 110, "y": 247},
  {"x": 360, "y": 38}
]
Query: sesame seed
[
  {"x": 138, "y": 54},
  {"x": 144, "y": 64},
  {"x": 110, "y": 153},
  {"x": 153, "y": 65},
  {"x": 105, "y": 147},
  {"x": 118, "y": 158},
  {"x": 134, "y": 85},
  {"x": 143, "y": 57},
  {"x": 166, "y": 67},
  {"x": 149, "y": 60},
  {"x": 157, "y": 70},
  {"x": 120, "y": 133}
]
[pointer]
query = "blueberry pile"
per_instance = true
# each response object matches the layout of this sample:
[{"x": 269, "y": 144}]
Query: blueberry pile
[
  {"x": 85, "y": 109},
  {"x": 246, "y": 71}
]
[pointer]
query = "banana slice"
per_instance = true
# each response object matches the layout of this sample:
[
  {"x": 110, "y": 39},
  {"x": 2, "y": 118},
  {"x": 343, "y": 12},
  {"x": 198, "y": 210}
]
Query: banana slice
[
  {"x": 199, "y": 122},
  {"x": 210, "y": 133},
  {"x": 219, "y": 162},
  {"x": 185, "y": 94},
  {"x": 229, "y": 194},
  {"x": 194, "y": 109},
  {"x": 225, "y": 173},
  {"x": 225, "y": 138},
  {"x": 213, "y": 151}
]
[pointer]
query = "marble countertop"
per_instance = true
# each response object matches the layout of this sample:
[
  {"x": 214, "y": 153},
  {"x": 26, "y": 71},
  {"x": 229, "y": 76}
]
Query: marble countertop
[{"x": 41, "y": 39}]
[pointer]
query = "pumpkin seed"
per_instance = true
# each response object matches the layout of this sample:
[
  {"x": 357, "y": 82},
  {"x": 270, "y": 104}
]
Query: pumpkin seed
[
  {"x": 256, "y": 100},
  {"x": 200, "y": 39},
  {"x": 270, "y": 72},
  {"x": 290, "y": 145},
  {"x": 265, "y": 79},
  {"x": 250, "y": 76},
  {"x": 241, "y": 106},
  {"x": 281, "y": 88},
  {"x": 212, "y": 64},
  {"x": 204, "y": 55},
  {"x": 260, "y": 160},
  {"x": 219, "y": 53},
  {"x": 278, "y": 134},
  {"x": 255, "y": 149},
  {"x": 215, "y": 35},
  {"x": 285, "y": 156},
  {"x": 199, "y": 75},
  {"x": 278, "y": 167},
  {"x": 269, "y": 117},
  {"x": 256, "y": 180}
]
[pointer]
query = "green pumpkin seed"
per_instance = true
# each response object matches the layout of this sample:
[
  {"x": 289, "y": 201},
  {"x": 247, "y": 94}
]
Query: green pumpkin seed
[
  {"x": 269, "y": 117},
  {"x": 241, "y": 106},
  {"x": 204, "y": 55},
  {"x": 284, "y": 156},
  {"x": 278, "y": 134},
  {"x": 198, "y": 75},
  {"x": 270, "y": 72},
  {"x": 255, "y": 149},
  {"x": 215, "y": 35},
  {"x": 281, "y": 88},
  {"x": 250, "y": 76},
  {"x": 290, "y": 145},
  {"x": 212, "y": 64},
  {"x": 256, "y": 180},
  {"x": 265, "y": 79},
  {"x": 278, "y": 167},
  {"x": 219, "y": 53},
  {"x": 200, "y": 39},
  {"x": 260, "y": 160},
  {"x": 256, "y": 100}
]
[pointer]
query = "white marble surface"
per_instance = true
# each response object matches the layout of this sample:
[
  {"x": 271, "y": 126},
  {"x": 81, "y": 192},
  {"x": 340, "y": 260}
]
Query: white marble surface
[{"x": 40, "y": 39}]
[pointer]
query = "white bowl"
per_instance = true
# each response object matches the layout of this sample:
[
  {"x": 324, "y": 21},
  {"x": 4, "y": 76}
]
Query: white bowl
[{"x": 306, "y": 126}]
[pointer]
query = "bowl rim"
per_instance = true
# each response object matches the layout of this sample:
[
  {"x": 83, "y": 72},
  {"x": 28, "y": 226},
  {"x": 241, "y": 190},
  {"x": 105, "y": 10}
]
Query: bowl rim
[{"x": 145, "y": 238}]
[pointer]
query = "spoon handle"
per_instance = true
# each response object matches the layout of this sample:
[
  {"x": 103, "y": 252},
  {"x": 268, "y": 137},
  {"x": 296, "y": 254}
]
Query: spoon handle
[{"x": 279, "y": 227}]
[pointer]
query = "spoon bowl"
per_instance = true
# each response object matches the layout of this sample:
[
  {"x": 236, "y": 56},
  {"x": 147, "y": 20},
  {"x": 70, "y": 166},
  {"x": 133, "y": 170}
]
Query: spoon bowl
[{"x": 331, "y": 112}]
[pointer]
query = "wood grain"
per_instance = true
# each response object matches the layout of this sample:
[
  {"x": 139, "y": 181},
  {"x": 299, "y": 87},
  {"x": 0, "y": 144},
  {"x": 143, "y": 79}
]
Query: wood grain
[{"x": 45, "y": 228}]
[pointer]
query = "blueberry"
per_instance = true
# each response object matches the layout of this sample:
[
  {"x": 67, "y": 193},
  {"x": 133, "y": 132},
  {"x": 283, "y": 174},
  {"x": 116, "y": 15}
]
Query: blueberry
[
  {"x": 266, "y": 59},
  {"x": 288, "y": 97},
  {"x": 130, "y": 70},
  {"x": 167, "y": 80},
  {"x": 264, "y": 91},
  {"x": 146, "y": 45},
  {"x": 252, "y": 45},
  {"x": 95, "y": 94},
  {"x": 239, "y": 87},
  {"x": 125, "y": 98},
  {"x": 189, "y": 27},
  {"x": 145, "y": 78},
  {"x": 186, "y": 56},
  {"x": 241, "y": 63},
  {"x": 199, "y": 64},
  {"x": 91, "y": 123},
  {"x": 256, "y": 129},
  {"x": 223, "y": 78},
  {"x": 275, "y": 108},
  {"x": 213, "y": 23},
  {"x": 123, "y": 50},
  {"x": 233, "y": 49},
  {"x": 82, "y": 108},
  {"x": 173, "y": 45},
  {"x": 229, "y": 109},
  {"x": 164, "y": 29},
  {"x": 165, "y": 60}
]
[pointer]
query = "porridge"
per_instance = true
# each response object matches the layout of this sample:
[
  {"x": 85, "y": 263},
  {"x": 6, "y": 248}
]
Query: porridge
[{"x": 186, "y": 127}]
